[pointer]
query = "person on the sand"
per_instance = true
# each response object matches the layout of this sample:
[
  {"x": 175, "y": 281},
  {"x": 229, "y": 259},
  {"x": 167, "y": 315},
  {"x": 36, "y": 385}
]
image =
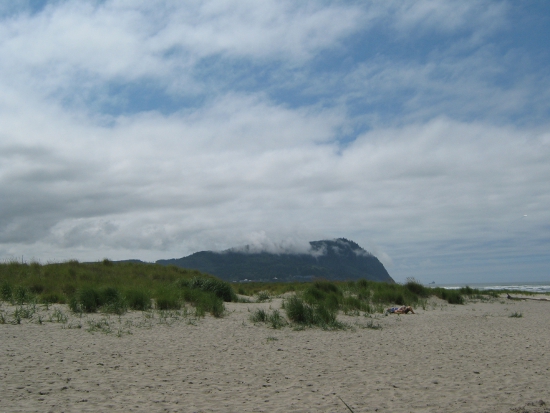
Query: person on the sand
[{"x": 404, "y": 309}]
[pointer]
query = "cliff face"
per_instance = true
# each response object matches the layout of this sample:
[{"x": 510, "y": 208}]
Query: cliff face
[{"x": 338, "y": 259}]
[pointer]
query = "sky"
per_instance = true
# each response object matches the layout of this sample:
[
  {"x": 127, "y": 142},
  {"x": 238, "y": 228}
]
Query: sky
[{"x": 152, "y": 129}]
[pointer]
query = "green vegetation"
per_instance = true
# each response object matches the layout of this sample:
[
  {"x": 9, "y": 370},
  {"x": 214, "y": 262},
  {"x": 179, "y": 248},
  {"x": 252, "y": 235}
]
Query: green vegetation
[
  {"x": 113, "y": 287},
  {"x": 262, "y": 296},
  {"x": 274, "y": 319}
]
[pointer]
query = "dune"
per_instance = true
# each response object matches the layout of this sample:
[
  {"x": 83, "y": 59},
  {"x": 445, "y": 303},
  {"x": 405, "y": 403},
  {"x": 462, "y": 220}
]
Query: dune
[{"x": 446, "y": 358}]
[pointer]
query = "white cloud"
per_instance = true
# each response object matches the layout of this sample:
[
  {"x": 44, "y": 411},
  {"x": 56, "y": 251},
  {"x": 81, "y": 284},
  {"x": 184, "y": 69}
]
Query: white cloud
[
  {"x": 261, "y": 242},
  {"x": 481, "y": 17},
  {"x": 79, "y": 45},
  {"x": 176, "y": 194},
  {"x": 424, "y": 183}
]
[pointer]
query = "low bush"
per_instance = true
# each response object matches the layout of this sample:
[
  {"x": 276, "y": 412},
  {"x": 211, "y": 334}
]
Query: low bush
[
  {"x": 219, "y": 288},
  {"x": 298, "y": 311},
  {"x": 259, "y": 316},
  {"x": 326, "y": 286},
  {"x": 52, "y": 298},
  {"x": 21, "y": 295},
  {"x": 36, "y": 288},
  {"x": 138, "y": 299},
  {"x": 90, "y": 299},
  {"x": 416, "y": 288},
  {"x": 451, "y": 296},
  {"x": 389, "y": 296},
  {"x": 168, "y": 299},
  {"x": 203, "y": 301},
  {"x": 5, "y": 291},
  {"x": 319, "y": 314},
  {"x": 352, "y": 304},
  {"x": 212, "y": 304},
  {"x": 87, "y": 300},
  {"x": 274, "y": 318},
  {"x": 262, "y": 296}
]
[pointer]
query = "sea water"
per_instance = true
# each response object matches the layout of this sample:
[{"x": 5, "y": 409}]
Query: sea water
[{"x": 531, "y": 287}]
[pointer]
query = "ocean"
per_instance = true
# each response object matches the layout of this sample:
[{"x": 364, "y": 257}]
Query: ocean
[{"x": 532, "y": 287}]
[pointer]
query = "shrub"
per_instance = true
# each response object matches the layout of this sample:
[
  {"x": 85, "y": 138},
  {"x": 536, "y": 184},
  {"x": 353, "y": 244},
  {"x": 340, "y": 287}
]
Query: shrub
[
  {"x": 108, "y": 295},
  {"x": 220, "y": 288},
  {"x": 389, "y": 296},
  {"x": 326, "y": 286},
  {"x": 298, "y": 311},
  {"x": 138, "y": 299},
  {"x": 87, "y": 299},
  {"x": 364, "y": 284},
  {"x": 36, "y": 288},
  {"x": 313, "y": 295},
  {"x": 182, "y": 283},
  {"x": 454, "y": 297},
  {"x": 416, "y": 288},
  {"x": 68, "y": 289},
  {"x": 262, "y": 296},
  {"x": 6, "y": 291},
  {"x": 354, "y": 304},
  {"x": 451, "y": 296},
  {"x": 52, "y": 298},
  {"x": 323, "y": 293},
  {"x": 204, "y": 302},
  {"x": 212, "y": 304},
  {"x": 324, "y": 315},
  {"x": 73, "y": 304},
  {"x": 259, "y": 316},
  {"x": 276, "y": 320},
  {"x": 167, "y": 299},
  {"x": 111, "y": 301},
  {"x": 320, "y": 314},
  {"x": 21, "y": 295}
]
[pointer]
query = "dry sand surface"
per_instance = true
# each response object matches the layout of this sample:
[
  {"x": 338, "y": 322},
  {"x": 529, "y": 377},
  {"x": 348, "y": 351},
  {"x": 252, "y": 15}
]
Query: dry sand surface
[{"x": 447, "y": 358}]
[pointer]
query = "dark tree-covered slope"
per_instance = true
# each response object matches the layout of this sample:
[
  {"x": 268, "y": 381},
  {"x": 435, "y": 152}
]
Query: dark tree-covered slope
[{"x": 338, "y": 259}]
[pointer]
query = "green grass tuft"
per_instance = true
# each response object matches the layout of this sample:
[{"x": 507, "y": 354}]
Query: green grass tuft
[
  {"x": 274, "y": 319},
  {"x": 138, "y": 299},
  {"x": 263, "y": 296}
]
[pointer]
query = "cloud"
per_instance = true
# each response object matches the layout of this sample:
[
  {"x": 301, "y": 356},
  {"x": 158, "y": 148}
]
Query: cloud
[
  {"x": 153, "y": 130},
  {"x": 448, "y": 16},
  {"x": 259, "y": 242},
  {"x": 423, "y": 181},
  {"x": 78, "y": 46}
]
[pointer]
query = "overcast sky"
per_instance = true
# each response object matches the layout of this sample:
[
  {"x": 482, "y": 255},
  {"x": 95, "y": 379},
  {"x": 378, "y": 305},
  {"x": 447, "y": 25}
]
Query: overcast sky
[{"x": 153, "y": 129}]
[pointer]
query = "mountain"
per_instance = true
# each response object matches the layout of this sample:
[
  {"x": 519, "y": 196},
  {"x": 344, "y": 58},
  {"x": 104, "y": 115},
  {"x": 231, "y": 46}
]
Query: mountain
[{"x": 338, "y": 259}]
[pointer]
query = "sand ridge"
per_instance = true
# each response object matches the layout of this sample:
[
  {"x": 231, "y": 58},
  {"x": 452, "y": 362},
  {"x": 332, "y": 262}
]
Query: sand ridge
[{"x": 447, "y": 358}]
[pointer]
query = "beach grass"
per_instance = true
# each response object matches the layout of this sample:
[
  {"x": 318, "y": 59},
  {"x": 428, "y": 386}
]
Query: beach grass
[
  {"x": 113, "y": 287},
  {"x": 273, "y": 318},
  {"x": 117, "y": 287},
  {"x": 262, "y": 296}
]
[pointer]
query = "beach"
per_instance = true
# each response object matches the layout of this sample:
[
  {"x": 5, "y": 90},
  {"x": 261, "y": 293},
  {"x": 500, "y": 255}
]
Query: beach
[{"x": 484, "y": 356}]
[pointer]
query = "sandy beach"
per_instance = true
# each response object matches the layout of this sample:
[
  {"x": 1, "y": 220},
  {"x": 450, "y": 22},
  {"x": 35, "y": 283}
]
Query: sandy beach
[{"x": 446, "y": 358}]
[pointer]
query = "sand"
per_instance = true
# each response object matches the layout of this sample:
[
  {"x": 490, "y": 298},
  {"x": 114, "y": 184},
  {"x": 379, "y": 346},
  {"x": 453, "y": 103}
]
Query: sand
[{"x": 446, "y": 358}]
